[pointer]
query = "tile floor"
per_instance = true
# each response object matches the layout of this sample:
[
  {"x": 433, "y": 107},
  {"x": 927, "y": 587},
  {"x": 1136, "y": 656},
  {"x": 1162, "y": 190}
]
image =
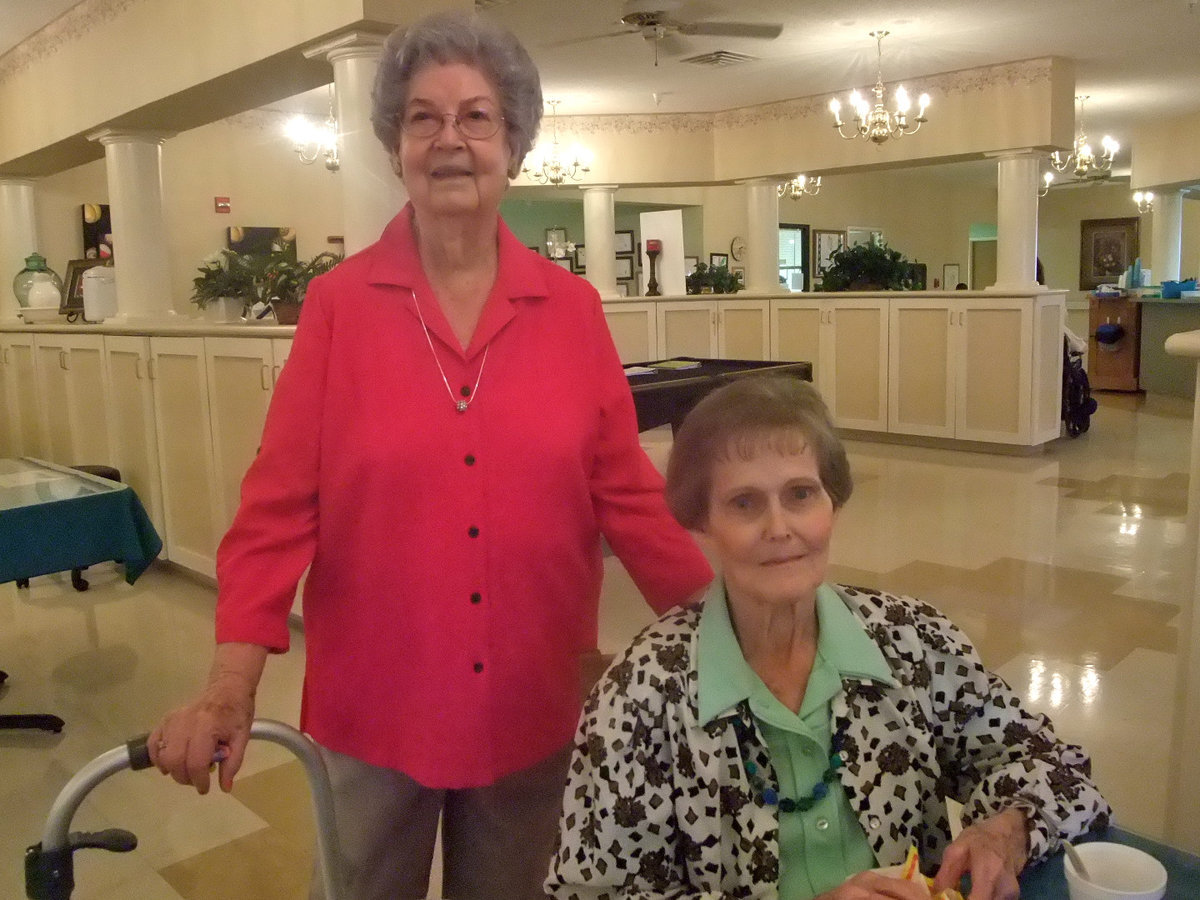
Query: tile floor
[{"x": 1070, "y": 570}]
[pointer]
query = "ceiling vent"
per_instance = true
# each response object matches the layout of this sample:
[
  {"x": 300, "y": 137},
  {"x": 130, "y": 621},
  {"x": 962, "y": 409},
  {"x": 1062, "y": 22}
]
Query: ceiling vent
[{"x": 718, "y": 59}]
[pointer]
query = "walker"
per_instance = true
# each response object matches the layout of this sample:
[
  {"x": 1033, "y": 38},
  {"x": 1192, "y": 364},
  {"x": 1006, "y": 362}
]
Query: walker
[{"x": 49, "y": 865}]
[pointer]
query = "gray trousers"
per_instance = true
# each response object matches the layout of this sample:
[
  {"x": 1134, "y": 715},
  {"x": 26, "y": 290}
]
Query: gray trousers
[{"x": 496, "y": 840}]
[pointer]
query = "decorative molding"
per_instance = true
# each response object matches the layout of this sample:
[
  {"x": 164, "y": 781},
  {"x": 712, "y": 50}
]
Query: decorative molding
[
  {"x": 646, "y": 123},
  {"x": 71, "y": 25}
]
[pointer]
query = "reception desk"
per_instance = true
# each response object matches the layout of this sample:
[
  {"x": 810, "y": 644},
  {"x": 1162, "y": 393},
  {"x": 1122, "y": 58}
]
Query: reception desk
[{"x": 1162, "y": 373}]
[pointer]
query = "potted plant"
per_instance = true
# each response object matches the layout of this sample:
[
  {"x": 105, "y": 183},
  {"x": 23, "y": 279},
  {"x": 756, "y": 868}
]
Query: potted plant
[
  {"x": 706, "y": 279},
  {"x": 285, "y": 280},
  {"x": 867, "y": 267},
  {"x": 227, "y": 284}
]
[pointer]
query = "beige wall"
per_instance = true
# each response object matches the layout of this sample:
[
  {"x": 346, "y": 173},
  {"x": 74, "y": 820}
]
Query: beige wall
[{"x": 1159, "y": 155}]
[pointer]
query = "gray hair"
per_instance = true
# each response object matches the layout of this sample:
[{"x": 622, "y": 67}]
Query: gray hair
[{"x": 459, "y": 37}]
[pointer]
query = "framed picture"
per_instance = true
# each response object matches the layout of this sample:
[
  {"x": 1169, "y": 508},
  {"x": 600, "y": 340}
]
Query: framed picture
[
  {"x": 950, "y": 276},
  {"x": 580, "y": 259},
  {"x": 537, "y": 250},
  {"x": 1107, "y": 247},
  {"x": 622, "y": 288},
  {"x": 564, "y": 262},
  {"x": 863, "y": 234},
  {"x": 97, "y": 230},
  {"x": 72, "y": 299},
  {"x": 689, "y": 264},
  {"x": 718, "y": 259},
  {"x": 623, "y": 242},
  {"x": 740, "y": 272},
  {"x": 556, "y": 235},
  {"x": 624, "y": 267},
  {"x": 825, "y": 242},
  {"x": 261, "y": 241}
]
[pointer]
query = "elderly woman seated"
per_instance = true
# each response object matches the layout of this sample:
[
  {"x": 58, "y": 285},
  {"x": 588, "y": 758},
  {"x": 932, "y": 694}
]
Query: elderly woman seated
[{"x": 790, "y": 736}]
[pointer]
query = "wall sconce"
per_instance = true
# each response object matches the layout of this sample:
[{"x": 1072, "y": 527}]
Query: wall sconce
[
  {"x": 1144, "y": 201},
  {"x": 313, "y": 141},
  {"x": 1047, "y": 180}
]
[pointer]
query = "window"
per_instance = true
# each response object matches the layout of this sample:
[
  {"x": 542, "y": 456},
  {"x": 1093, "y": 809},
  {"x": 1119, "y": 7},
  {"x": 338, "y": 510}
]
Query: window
[{"x": 793, "y": 257}]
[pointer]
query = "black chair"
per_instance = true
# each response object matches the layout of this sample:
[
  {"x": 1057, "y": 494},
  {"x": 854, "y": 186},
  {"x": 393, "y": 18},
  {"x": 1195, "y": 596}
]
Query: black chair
[{"x": 46, "y": 721}]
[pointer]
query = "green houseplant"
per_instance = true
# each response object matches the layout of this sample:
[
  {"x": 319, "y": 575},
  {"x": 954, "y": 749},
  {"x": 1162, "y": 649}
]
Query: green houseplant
[
  {"x": 227, "y": 275},
  {"x": 867, "y": 267},
  {"x": 706, "y": 279},
  {"x": 285, "y": 281}
]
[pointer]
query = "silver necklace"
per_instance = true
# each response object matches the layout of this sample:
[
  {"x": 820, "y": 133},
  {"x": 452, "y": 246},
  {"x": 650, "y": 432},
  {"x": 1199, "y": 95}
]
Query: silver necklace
[{"x": 461, "y": 405}]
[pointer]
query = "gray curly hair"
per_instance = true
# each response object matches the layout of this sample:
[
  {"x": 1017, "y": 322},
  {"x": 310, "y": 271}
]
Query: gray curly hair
[{"x": 459, "y": 37}]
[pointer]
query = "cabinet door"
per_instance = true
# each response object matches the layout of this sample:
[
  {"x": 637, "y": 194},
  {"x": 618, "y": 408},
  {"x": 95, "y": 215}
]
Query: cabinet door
[
  {"x": 10, "y": 398},
  {"x": 858, "y": 359},
  {"x": 87, "y": 400},
  {"x": 994, "y": 375},
  {"x": 280, "y": 349},
  {"x": 131, "y": 423},
  {"x": 796, "y": 336},
  {"x": 743, "y": 329},
  {"x": 23, "y": 387},
  {"x": 687, "y": 328},
  {"x": 921, "y": 367},
  {"x": 240, "y": 380},
  {"x": 54, "y": 420},
  {"x": 634, "y": 329},
  {"x": 181, "y": 413}
]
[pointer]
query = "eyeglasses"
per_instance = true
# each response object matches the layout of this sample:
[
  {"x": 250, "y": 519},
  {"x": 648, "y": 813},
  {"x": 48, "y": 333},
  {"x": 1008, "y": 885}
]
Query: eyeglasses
[{"x": 476, "y": 124}]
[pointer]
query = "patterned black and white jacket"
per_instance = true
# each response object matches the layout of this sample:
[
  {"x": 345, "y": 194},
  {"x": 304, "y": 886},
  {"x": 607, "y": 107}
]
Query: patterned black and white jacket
[{"x": 658, "y": 806}]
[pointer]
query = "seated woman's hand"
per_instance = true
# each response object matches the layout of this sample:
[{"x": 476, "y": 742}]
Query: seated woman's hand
[
  {"x": 876, "y": 886},
  {"x": 993, "y": 851},
  {"x": 214, "y": 726}
]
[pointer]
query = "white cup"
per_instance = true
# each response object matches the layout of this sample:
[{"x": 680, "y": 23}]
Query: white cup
[{"x": 1116, "y": 872}]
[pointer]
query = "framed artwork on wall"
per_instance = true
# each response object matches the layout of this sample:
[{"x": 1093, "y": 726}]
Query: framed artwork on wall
[
  {"x": 689, "y": 264},
  {"x": 623, "y": 242},
  {"x": 580, "y": 259},
  {"x": 556, "y": 235},
  {"x": 624, "y": 268},
  {"x": 564, "y": 262},
  {"x": 950, "y": 276},
  {"x": 261, "y": 241},
  {"x": 72, "y": 298},
  {"x": 97, "y": 230},
  {"x": 825, "y": 242},
  {"x": 718, "y": 259},
  {"x": 1107, "y": 247},
  {"x": 863, "y": 234},
  {"x": 622, "y": 288}
]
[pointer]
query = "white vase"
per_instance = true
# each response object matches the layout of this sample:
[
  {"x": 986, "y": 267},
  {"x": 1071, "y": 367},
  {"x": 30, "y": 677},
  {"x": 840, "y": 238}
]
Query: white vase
[{"x": 224, "y": 310}]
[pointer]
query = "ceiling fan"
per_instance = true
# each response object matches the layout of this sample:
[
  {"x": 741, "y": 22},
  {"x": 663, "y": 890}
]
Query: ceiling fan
[{"x": 664, "y": 21}]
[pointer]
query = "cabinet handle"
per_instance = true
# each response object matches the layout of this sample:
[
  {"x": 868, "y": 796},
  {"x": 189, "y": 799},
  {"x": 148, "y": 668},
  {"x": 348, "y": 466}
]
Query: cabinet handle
[
  {"x": 265, "y": 377},
  {"x": 138, "y": 366},
  {"x": 275, "y": 375},
  {"x": 5, "y": 356},
  {"x": 151, "y": 369},
  {"x": 62, "y": 360}
]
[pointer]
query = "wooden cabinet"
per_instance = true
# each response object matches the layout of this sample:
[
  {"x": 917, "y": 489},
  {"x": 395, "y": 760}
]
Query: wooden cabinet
[
  {"x": 185, "y": 451},
  {"x": 846, "y": 342},
  {"x": 634, "y": 329},
  {"x": 976, "y": 369},
  {"x": 1115, "y": 366},
  {"x": 21, "y": 417},
  {"x": 131, "y": 422},
  {"x": 725, "y": 329},
  {"x": 72, "y": 387}
]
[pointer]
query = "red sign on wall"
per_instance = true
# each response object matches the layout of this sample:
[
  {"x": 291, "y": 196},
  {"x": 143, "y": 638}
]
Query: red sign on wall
[{"x": 221, "y": 204}]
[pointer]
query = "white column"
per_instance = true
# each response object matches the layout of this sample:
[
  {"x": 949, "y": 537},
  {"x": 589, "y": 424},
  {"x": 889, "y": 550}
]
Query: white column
[
  {"x": 1167, "y": 238},
  {"x": 1017, "y": 221},
  {"x": 762, "y": 236},
  {"x": 18, "y": 237},
  {"x": 599, "y": 231},
  {"x": 372, "y": 193},
  {"x": 133, "y": 162}
]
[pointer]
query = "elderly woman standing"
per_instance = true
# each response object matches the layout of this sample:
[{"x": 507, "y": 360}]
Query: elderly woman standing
[
  {"x": 451, "y": 436},
  {"x": 792, "y": 735}
]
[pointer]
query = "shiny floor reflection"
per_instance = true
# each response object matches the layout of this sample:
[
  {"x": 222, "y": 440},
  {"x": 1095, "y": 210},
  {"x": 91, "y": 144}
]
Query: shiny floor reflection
[{"x": 1069, "y": 570}]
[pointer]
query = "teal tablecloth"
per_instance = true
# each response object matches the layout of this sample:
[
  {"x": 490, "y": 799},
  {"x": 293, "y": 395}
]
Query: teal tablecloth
[
  {"x": 53, "y": 519},
  {"x": 1047, "y": 881}
]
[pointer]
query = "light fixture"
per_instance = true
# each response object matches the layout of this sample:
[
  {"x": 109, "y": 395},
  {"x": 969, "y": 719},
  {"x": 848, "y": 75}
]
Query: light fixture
[
  {"x": 800, "y": 186},
  {"x": 1144, "y": 201},
  {"x": 1047, "y": 180},
  {"x": 547, "y": 165},
  {"x": 1082, "y": 160},
  {"x": 313, "y": 141},
  {"x": 876, "y": 124}
]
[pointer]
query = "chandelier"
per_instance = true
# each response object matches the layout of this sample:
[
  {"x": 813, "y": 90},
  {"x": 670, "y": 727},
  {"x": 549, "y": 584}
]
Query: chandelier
[
  {"x": 876, "y": 124},
  {"x": 549, "y": 165},
  {"x": 313, "y": 141},
  {"x": 800, "y": 186},
  {"x": 1144, "y": 201},
  {"x": 1082, "y": 160}
]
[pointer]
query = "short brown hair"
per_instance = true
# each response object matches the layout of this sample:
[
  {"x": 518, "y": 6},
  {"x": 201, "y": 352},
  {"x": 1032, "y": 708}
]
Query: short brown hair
[{"x": 740, "y": 417}]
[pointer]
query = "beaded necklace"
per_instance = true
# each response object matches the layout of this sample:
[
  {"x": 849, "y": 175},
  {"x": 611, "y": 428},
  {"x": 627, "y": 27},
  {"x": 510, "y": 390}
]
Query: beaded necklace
[{"x": 769, "y": 796}]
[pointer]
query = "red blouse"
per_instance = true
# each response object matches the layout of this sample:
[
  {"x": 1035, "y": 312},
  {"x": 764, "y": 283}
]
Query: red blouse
[{"x": 455, "y": 557}]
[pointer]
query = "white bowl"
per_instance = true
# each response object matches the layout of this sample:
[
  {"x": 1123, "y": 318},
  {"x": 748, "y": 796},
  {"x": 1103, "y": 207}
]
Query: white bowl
[
  {"x": 42, "y": 314},
  {"x": 1117, "y": 872}
]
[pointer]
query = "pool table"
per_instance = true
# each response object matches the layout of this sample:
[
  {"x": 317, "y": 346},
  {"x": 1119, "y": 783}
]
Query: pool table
[{"x": 665, "y": 395}]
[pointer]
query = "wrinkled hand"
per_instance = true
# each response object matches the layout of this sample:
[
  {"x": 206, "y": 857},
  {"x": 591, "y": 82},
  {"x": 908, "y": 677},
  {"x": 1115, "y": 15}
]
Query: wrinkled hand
[
  {"x": 874, "y": 886},
  {"x": 994, "y": 851},
  {"x": 216, "y": 725}
]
